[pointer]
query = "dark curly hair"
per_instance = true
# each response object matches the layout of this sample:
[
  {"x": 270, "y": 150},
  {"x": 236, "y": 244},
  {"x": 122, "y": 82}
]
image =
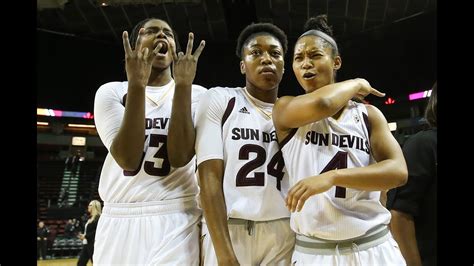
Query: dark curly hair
[
  {"x": 139, "y": 25},
  {"x": 320, "y": 23},
  {"x": 256, "y": 28}
]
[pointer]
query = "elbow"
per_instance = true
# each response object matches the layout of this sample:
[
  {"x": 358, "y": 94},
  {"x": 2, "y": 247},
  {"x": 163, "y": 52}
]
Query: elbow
[
  {"x": 178, "y": 161},
  {"x": 326, "y": 106},
  {"x": 128, "y": 164},
  {"x": 179, "y": 157},
  {"x": 209, "y": 189},
  {"x": 127, "y": 161},
  {"x": 179, "y": 151},
  {"x": 401, "y": 176},
  {"x": 126, "y": 158},
  {"x": 208, "y": 196}
]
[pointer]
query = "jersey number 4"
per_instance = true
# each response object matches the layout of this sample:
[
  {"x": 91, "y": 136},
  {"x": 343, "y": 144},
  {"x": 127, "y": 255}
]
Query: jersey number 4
[
  {"x": 274, "y": 167},
  {"x": 161, "y": 156},
  {"x": 339, "y": 161}
]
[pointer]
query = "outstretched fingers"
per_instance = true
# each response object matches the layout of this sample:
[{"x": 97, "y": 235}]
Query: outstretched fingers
[
  {"x": 376, "y": 92},
  {"x": 189, "y": 47},
  {"x": 173, "y": 51},
  {"x": 126, "y": 43},
  {"x": 138, "y": 43},
  {"x": 198, "y": 51}
]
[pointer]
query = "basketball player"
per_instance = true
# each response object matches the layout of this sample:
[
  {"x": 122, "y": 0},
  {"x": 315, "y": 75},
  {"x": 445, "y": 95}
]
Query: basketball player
[
  {"x": 241, "y": 171},
  {"x": 329, "y": 144},
  {"x": 150, "y": 213}
]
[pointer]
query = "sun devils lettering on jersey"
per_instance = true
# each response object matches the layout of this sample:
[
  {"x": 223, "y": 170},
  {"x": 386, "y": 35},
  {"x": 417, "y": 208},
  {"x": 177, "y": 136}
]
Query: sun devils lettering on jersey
[
  {"x": 339, "y": 213},
  {"x": 155, "y": 180},
  {"x": 240, "y": 131}
]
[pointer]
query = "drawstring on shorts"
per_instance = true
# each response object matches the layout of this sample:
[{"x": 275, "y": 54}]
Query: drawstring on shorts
[
  {"x": 356, "y": 253},
  {"x": 250, "y": 227},
  {"x": 338, "y": 255}
]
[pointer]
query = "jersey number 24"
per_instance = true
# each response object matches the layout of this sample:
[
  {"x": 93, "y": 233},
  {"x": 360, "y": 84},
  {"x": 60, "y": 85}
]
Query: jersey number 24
[{"x": 274, "y": 167}]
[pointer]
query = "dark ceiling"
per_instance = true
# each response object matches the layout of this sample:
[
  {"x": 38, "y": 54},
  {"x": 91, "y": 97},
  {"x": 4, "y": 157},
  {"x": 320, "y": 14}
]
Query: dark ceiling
[
  {"x": 391, "y": 43},
  {"x": 220, "y": 20}
]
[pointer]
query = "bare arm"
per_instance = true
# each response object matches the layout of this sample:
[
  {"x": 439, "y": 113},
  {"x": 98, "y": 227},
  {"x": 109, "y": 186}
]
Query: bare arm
[
  {"x": 390, "y": 170},
  {"x": 127, "y": 146},
  {"x": 211, "y": 173},
  {"x": 181, "y": 134},
  {"x": 402, "y": 227},
  {"x": 294, "y": 112}
]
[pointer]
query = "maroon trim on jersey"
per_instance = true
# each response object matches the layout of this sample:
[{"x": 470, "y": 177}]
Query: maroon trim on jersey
[
  {"x": 228, "y": 110},
  {"x": 124, "y": 99},
  {"x": 292, "y": 133},
  {"x": 366, "y": 121}
]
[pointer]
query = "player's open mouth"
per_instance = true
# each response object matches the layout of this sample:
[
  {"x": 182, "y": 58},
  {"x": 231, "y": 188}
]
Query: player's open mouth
[
  {"x": 164, "y": 48},
  {"x": 308, "y": 75}
]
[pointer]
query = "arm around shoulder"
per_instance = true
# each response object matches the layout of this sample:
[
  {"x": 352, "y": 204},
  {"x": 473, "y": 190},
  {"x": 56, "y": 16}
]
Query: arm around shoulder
[
  {"x": 280, "y": 118},
  {"x": 294, "y": 112}
]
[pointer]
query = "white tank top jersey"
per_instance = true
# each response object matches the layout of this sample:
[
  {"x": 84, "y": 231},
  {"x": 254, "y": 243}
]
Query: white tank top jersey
[
  {"x": 339, "y": 213},
  {"x": 156, "y": 179},
  {"x": 233, "y": 126}
]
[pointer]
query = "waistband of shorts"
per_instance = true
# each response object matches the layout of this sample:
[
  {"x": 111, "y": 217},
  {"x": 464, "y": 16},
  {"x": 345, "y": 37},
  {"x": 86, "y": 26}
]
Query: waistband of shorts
[
  {"x": 149, "y": 208},
  {"x": 246, "y": 222},
  {"x": 310, "y": 245},
  {"x": 250, "y": 225}
]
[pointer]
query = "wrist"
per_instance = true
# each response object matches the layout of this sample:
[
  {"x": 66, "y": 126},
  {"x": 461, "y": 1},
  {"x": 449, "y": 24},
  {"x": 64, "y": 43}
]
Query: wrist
[
  {"x": 135, "y": 84},
  {"x": 183, "y": 84},
  {"x": 335, "y": 177}
]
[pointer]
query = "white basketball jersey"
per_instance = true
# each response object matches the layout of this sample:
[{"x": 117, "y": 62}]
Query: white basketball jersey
[
  {"x": 155, "y": 179},
  {"x": 234, "y": 126},
  {"x": 339, "y": 213}
]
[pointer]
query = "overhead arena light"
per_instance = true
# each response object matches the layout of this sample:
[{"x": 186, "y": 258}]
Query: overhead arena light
[{"x": 392, "y": 126}]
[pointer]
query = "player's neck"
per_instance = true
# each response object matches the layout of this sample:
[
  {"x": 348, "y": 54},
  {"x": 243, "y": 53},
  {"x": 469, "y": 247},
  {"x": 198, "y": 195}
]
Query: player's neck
[
  {"x": 268, "y": 96},
  {"x": 159, "y": 78}
]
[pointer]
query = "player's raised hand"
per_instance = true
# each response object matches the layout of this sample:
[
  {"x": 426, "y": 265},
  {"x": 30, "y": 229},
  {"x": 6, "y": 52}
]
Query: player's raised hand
[
  {"x": 184, "y": 64},
  {"x": 306, "y": 188},
  {"x": 138, "y": 61},
  {"x": 366, "y": 89}
]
